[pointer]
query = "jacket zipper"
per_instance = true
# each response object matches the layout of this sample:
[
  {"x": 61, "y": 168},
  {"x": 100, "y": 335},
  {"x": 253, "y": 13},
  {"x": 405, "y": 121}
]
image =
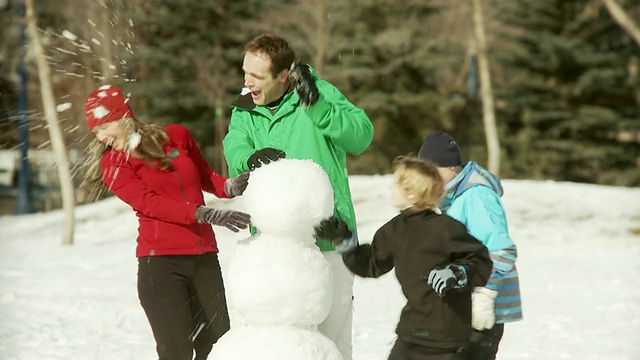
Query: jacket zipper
[{"x": 197, "y": 228}]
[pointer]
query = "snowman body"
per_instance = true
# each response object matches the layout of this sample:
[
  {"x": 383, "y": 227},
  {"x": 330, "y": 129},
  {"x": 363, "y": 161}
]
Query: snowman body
[{"x": 278, "y": 283}]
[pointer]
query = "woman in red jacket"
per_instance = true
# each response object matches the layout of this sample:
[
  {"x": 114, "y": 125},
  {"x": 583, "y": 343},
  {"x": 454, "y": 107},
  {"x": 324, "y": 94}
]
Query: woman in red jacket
[{"x": 161, "y": 173}]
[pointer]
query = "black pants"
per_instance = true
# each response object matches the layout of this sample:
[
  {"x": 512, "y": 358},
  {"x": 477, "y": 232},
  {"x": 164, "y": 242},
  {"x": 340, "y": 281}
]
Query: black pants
[
  {"x": 484, "y": 344},
  {"x": 403, "y": 350},
  {"x": 184, "y": 299}
]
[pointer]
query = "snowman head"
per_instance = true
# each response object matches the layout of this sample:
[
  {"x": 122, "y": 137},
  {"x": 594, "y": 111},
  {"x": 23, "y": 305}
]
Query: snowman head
[{"x": 288, "y": 197}]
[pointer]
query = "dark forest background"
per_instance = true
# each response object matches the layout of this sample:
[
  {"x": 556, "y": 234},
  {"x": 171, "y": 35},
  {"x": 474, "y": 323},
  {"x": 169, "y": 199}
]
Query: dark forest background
[{"x": 564, "y": 73}]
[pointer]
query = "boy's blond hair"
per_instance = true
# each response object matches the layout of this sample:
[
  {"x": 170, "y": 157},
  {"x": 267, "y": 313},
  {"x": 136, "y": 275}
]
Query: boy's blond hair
[{"x": 419, "y": 181}]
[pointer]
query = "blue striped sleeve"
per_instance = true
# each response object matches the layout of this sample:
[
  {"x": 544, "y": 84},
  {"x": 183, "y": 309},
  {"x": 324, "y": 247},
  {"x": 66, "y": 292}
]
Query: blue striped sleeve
[{"x": 504, "y": 262}]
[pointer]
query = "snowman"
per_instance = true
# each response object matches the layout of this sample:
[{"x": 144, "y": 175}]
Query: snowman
[{"x": 279, "y": 286}]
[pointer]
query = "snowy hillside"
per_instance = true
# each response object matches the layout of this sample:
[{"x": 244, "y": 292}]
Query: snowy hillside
[{"x": 578, "y": 245}]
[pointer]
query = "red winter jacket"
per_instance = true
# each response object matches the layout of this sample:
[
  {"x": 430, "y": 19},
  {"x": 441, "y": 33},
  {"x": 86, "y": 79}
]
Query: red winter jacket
[{"x": 165, "y": 201}]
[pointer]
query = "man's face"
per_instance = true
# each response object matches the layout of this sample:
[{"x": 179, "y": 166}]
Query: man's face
[{"x": 264, "y": 87}]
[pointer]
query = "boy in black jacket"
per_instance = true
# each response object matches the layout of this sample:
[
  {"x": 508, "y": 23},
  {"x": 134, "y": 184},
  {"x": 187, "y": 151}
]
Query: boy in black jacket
[{"x": 437, "y": 264}]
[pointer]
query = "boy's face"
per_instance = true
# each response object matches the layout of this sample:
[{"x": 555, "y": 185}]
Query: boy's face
[
  {"x": 447, "y": 173},
  {"x": 258, "y": 78},
  {"x": 398, "y": 198}
]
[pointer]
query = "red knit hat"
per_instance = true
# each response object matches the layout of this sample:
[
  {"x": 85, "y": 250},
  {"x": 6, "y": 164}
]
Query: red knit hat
[{"x": 105, "y": 105}]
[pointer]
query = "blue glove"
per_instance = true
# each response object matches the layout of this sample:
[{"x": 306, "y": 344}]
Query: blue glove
[{"x": 451, "y": 277}]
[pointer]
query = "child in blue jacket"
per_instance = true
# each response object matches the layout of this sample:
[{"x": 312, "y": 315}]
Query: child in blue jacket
[{"x": 473, "y": 198}]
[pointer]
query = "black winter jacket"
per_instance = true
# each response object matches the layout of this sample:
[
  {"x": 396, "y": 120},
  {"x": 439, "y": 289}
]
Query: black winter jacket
[{"x": 415, "y": 243}]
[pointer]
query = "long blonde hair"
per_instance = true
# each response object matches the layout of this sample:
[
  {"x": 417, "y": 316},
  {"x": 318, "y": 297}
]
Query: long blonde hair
[
  {"x": 420, "y": 182},
  {"x": 152, "y": 139}
]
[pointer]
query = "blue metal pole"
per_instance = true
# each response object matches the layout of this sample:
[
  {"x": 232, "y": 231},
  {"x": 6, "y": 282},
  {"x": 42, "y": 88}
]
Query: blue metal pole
[{"x": 23, "y": 204}]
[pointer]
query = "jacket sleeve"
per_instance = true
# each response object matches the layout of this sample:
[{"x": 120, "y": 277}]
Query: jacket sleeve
[
  {"x": 486, "y": 220},
  {"x": 467, "y": 251},
  {"x": 338, "y": 119},
  {"x": 210, "y": 181},
  {"x": 371, "y": 260},
  {"x": 121, "y": 179},
  {"x": 237, "y": 144}
]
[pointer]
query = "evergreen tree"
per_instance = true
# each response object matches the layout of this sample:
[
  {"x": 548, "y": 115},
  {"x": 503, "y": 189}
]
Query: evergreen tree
[
  {"x": 188, "y": 64},
  {"x": 384, "y": 57},
  {"x": 572, "y": 108},
  {"x": 403, "y": 76}
]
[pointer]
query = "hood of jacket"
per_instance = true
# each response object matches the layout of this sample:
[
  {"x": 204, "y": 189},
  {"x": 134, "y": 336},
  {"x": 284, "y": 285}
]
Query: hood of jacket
[{"x": 471, "y": 175}]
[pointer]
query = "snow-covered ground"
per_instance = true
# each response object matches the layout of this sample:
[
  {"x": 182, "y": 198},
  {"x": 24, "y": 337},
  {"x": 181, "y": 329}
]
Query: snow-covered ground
[{"x": 578, "y": 245}]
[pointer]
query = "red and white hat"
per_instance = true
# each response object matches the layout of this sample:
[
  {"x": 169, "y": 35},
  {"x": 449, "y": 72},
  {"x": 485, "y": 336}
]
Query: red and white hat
[{"x": 105, "y": 105}]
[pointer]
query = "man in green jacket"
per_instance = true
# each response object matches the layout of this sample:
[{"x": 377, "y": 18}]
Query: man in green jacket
[{"x": 286, "y": 111}]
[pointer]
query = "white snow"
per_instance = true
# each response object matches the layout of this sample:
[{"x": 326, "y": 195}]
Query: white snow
[
  {"x": 272, "y": 281},
  {"x": 100, "y": 111},
  {"x": 274, "y": 342},
  {"x": 63, "y": 107},
  {"x": 578, "y": 249},
  {"x": 69, "y": 35},
  {"x": 279, "y": 285},
  {"x": 273, "y": 200}
]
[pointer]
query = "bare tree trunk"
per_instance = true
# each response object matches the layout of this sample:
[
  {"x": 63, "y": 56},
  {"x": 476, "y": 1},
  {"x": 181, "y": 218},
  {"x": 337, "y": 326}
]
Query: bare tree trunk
[
  {"x": 57, "y": 139},
  {"x": 209, "y": 83},
  {"x": 623, "y": 19},
  {"x": 486, "y": 92},
  {"x": 321, "y": 34},
  {"x": 106, "y": 53},
  {"x": 221, "y": 131}
]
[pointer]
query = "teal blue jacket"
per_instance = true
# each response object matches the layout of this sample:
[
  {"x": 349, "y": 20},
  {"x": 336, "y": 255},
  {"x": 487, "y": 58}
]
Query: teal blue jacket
[{"x": 473, "y": 198}]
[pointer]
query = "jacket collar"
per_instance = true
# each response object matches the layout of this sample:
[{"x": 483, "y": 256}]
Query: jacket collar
[
  {"x": 290, "y": 100},
  {"x": 411, "y": 211},
  {"x": 244, "y": 101}
]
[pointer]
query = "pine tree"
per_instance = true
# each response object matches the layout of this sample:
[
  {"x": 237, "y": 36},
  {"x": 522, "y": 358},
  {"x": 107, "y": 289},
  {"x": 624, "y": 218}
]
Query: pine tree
[
  {"x": 402, "y": 73},
  {"x": 572, "y": 106},
  {"x": 188, "y": 64},
  {"x": 386, "y": 57}
]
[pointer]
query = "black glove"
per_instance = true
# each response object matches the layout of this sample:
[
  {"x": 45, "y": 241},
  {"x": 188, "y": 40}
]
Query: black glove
[
  {"x": 237, "y": 185},
  {"x": 337, "y": 231},
  {"x": 231, "y": 219},
  {"x": 264, "y": 156},
  {"x": 451, "y": 277},
  {"x": 304, "y": 84}
]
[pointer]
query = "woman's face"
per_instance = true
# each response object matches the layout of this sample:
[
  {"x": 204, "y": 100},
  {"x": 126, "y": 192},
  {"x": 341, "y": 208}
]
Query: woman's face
[
  {"x": 398, "y": 198},
  {"x": 111, "y": 134}
]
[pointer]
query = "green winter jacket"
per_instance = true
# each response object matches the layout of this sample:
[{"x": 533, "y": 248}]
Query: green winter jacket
[{"x": 324, "y": 133}]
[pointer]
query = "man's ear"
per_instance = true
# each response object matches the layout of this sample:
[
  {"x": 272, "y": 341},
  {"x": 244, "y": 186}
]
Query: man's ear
[{"x": 283, "y": 76}]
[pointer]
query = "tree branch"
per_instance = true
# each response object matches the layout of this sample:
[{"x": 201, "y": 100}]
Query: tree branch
[{"x": 623, "y": 19}]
